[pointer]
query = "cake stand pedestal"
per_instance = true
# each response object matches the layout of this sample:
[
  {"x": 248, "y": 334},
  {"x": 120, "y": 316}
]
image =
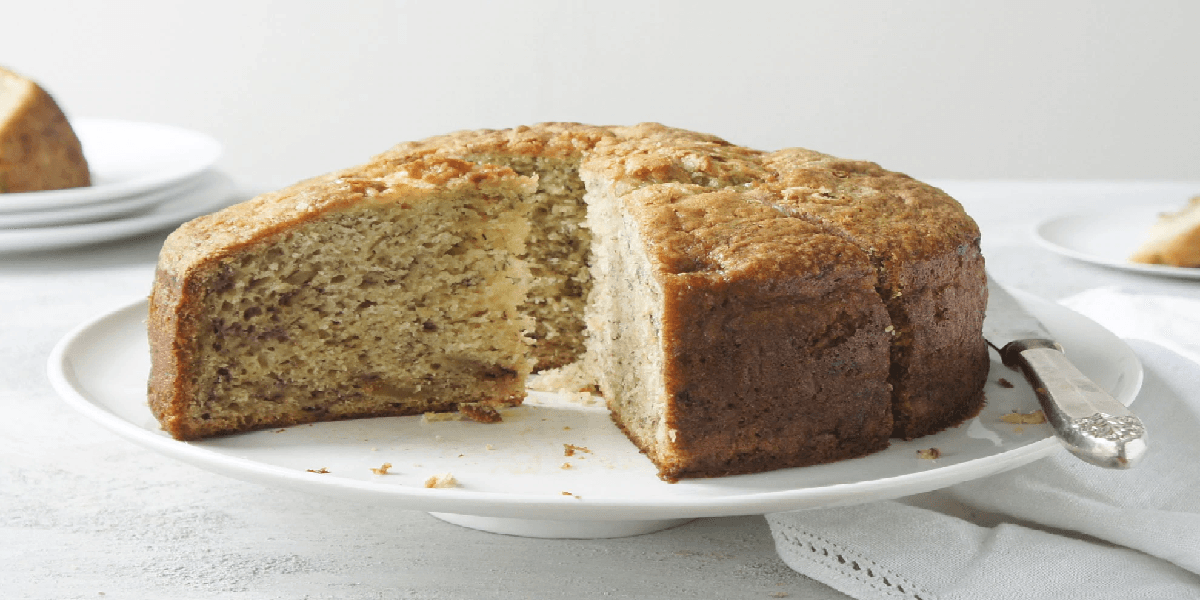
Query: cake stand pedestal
[{"x": 559, "y": 529}]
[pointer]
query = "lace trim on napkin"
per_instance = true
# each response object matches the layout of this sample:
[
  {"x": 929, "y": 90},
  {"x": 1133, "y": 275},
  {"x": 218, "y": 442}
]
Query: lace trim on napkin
[{"x": 864, "y": 572}]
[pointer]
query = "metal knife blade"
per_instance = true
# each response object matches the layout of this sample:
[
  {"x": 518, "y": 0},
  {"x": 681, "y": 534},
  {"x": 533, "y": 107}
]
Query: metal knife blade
[{"x": 1092, "y": 424}]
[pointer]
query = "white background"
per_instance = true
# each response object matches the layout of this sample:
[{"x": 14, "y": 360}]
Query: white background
[{"x": 939, "y": 89}]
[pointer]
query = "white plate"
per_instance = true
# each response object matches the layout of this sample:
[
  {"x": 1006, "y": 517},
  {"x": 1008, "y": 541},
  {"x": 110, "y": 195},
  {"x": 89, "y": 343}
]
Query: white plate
[
  {"x": 89, "y": 213},
  {"x": 511, "y": 474},
  {"x": 1107, "y": 238},
  {"x": 212, "y": 191},
  {"x": 125, "y": 158}
]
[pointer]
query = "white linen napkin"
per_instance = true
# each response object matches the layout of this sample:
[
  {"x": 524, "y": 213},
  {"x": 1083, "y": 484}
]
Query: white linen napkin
[{"x": 1056, "y": 528}]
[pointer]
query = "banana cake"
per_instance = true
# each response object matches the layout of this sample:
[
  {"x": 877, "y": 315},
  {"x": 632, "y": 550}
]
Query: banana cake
[{"x": 740, "y": 311}]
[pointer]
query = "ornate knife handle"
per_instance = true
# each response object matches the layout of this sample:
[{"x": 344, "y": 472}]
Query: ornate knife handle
[{"x": 1089, "y": 421}]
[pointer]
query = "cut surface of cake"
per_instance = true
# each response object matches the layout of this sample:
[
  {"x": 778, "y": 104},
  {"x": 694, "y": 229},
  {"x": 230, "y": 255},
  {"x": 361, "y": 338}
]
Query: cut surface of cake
[
  {"x": 1173, "y": 240},
  {"x": 739, "y": 311},
  {"x": 38, "y": 147},
  {"x": 400, "y": 298}
]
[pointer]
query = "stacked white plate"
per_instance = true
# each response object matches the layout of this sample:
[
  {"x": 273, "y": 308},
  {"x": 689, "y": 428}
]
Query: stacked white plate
[{"x": 145, "y": 177}]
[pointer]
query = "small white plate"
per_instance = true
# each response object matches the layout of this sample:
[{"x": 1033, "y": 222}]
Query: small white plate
[
  {"x": 511, "y": 475},
  {"x": 212, "y": 191},
  {"x": 125, "y": 158},
  {"x": 1107, "y": 238},
  {"x": 89, "y": 213}
]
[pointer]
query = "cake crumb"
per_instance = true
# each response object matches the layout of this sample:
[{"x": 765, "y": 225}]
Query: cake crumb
[
  {"x": 583, "y": 398},
  {"x": 320, "y": 471},
  {"x": 571, "y": 449},
  {"x": 1004, "y": 383},
  {"x": 563, "y": 380},
  {"x": 383, "y": 469},
  {"x": 930, "y": 454},
  {"x": 575, "y": 496},
  {"x": 566, "y": 465},
  {"x": 444, "y": 480},
  {"x": 489, "y": 447},
  {"x": 431, "y": 417},
  {"x": 1032, "y": 418},
  {"x": 480, "y": 412}
]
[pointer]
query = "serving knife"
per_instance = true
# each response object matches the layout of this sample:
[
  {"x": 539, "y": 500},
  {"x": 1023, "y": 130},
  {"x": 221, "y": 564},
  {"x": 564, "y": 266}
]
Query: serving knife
[{"x": 1092, "y": 424}]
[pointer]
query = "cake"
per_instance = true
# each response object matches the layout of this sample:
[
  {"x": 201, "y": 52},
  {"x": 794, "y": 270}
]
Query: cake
[
  {"x": 38, "y": 148},
  {"x": 1173, "y": 240},
  {"x": 740, "y": 311}
]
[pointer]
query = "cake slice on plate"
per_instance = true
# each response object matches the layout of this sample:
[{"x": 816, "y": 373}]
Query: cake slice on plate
[
  {"x": 38, "y": 148},
  {"x": 1173, "y": 240}
]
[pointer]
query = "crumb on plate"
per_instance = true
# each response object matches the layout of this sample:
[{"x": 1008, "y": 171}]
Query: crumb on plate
[
  {"x": 443, "y": 480},
  {"x": 480, "y": 412},
  {"x": 1031, "y": 418},
  {"x": 431, "y": 417}
]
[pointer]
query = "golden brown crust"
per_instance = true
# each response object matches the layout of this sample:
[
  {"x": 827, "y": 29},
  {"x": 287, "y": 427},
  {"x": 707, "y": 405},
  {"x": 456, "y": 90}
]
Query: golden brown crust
[
  {"x": 650, "y": 153},
  {"x": 926, "y": 250},
  {"x": 38, "y": 147}
]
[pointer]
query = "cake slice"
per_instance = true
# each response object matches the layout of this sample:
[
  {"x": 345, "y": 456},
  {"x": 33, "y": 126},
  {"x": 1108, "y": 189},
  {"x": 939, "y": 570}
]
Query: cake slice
[
  {"x": 344, "y": 297},
  {"x": 38, "y": 148},
  {"x": 1174, "y": 239}
]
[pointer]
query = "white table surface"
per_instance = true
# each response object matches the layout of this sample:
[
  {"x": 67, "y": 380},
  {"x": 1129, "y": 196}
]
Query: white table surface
[{"x": 85, "y": 514}]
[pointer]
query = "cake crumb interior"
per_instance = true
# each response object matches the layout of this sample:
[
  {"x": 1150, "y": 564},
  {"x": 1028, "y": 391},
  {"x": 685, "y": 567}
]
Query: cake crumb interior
[{"x": 346, "y": 316}]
